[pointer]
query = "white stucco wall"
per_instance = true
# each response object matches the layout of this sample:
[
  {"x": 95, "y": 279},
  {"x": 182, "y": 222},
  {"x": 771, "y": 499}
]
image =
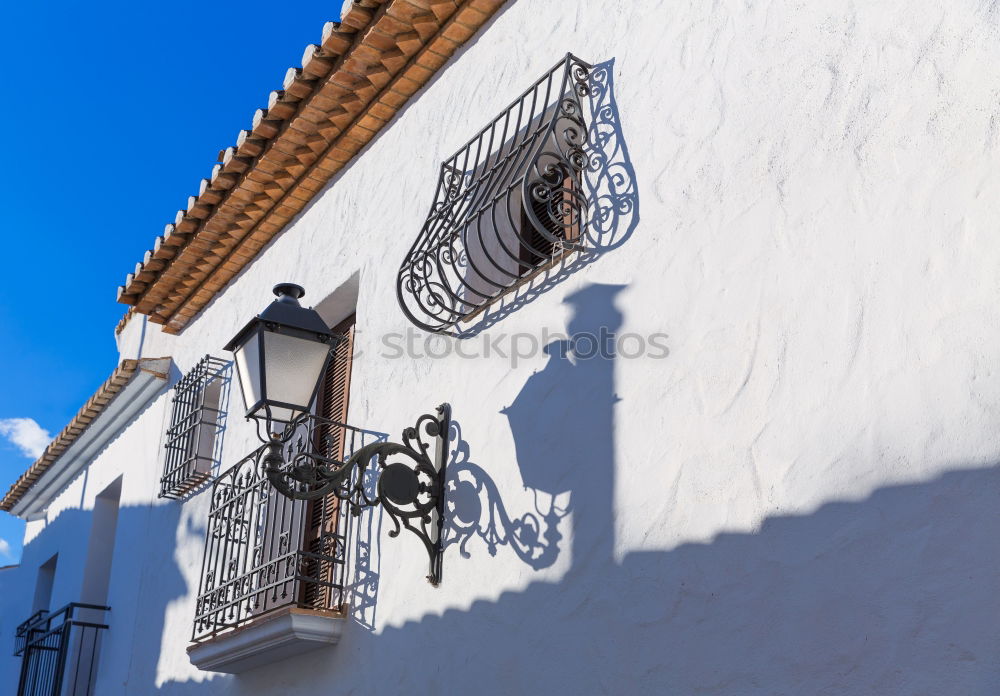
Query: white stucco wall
[{"x": 798, "y": 499}]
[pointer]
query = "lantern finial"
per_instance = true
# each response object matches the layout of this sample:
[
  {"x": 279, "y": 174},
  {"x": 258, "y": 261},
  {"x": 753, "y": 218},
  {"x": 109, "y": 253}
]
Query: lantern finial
[
  {"x": 291, "y": 291},
  {"x": 281, "y": 356}
]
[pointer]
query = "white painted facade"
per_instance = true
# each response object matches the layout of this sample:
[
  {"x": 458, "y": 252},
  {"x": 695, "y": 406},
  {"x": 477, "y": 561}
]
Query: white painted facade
[{"x": 800, "y": 498}]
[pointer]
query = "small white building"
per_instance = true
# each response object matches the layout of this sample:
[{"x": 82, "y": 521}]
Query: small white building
[{"x": 710, "y": 292}]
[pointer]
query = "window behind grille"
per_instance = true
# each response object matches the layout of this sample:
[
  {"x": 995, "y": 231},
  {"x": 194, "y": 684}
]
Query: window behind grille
[
  {"x": 195, "y": 422},
  {"x": 478, "y": 242},
  {"x": 322, "y": 514},
  {"x": 535, "y": 249}
]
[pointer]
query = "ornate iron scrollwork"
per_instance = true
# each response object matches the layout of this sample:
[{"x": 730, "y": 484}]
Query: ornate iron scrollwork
[
  {"x": 410, "y": 477},
  {"x": 507, "y": 204}
]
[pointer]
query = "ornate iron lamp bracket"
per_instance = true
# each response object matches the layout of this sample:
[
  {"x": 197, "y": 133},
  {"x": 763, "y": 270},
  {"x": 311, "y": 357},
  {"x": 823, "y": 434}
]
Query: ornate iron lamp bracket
[{"x": 410, "y": 484}]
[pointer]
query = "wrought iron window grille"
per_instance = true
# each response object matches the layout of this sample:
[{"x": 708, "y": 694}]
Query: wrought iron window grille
[
  {"x": 59, "y": 651},
  {"x": 196, "y": 420},
  {"x": 409, "y": 476},
  {"x": 537, "y": 184}
]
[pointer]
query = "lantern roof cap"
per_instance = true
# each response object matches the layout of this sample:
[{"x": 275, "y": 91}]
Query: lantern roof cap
[{"x": 286, "y": 313}]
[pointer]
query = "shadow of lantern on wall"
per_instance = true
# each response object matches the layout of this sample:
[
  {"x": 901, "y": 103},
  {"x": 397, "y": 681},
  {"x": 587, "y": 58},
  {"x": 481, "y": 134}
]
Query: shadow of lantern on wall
[{"x": 281, "y": 356}]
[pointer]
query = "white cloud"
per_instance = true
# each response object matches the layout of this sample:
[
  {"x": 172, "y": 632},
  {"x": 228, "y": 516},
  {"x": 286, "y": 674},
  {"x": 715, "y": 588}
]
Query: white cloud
[
  {"x": 26, "y": 434},
  {"x": 5, "y": 549}
]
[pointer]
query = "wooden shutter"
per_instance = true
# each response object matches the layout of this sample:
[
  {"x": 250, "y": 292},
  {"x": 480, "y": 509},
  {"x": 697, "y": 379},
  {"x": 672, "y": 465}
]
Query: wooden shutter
[
  {"x": 321, "y": 515},
  {"x": 334, "y": 393}
]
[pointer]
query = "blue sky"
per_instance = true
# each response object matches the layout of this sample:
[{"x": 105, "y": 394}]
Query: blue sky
[{"x": 114, "y": 112}]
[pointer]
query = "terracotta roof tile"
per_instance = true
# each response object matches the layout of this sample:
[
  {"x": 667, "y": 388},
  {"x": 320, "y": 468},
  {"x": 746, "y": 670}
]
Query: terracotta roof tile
[
  {"x": 94, "y": 406},
  {"x": 349, "y": 86}
]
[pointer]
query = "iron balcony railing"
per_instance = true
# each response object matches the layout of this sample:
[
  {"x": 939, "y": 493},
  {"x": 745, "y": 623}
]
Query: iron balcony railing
[
  {"x": 265, "y": 552},
  {"x": 59, "y": 651}
]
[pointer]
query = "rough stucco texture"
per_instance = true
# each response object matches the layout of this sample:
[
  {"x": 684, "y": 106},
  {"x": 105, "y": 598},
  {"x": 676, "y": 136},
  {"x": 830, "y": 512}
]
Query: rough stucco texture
[{"x": 800, "y": 499}]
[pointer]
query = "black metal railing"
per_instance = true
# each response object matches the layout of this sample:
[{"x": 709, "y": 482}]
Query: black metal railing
[
  {"x": 59, "y": 651},
  {"x": 509, "y": 203},
  {"x": 264, "y": 551},
  {"x": 195, "y": 422}
]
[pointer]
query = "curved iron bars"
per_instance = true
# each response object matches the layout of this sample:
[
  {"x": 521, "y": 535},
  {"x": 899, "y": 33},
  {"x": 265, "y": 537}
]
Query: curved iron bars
[
  {"x": 411, "y": 491},
  {"x": 507, "y": 204}
]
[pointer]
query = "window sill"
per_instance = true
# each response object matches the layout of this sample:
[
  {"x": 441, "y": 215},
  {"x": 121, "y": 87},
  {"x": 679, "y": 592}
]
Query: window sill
[{"x": 272, "y": 638}]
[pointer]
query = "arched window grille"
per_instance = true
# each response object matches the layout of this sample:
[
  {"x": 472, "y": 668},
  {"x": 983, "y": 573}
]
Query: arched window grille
[{"x": 508, "y": 204}]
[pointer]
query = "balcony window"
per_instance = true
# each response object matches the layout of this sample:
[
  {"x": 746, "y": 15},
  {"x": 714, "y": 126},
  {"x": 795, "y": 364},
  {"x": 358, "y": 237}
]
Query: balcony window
[
  {"x": 272, "y": 563},
  {"x": 329, "y": 440},
  {"x": 195, "y": 423}
]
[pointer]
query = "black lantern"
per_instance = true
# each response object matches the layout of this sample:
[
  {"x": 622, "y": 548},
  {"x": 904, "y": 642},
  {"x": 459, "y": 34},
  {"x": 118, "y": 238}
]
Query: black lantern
[{"x": 280, "y": 358}]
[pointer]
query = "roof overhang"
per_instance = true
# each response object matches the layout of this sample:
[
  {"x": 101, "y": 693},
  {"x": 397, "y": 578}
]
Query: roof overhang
[
  {"x": 130, "y": 388},
  {"x": 350, "y": 86}
]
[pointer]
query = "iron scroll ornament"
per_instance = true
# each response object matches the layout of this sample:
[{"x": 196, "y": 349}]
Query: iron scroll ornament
[
  {"x": 512, "y": 201},
  {"x": 411, "y": 489}
]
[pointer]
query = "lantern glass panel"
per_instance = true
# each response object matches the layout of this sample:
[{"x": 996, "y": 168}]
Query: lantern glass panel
[
  {"x": 248, "y": 368},
  {"x": 293, "y": 367}
]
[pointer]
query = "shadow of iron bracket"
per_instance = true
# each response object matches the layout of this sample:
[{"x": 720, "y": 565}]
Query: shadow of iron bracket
[{"x": 410, "y": 477}]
